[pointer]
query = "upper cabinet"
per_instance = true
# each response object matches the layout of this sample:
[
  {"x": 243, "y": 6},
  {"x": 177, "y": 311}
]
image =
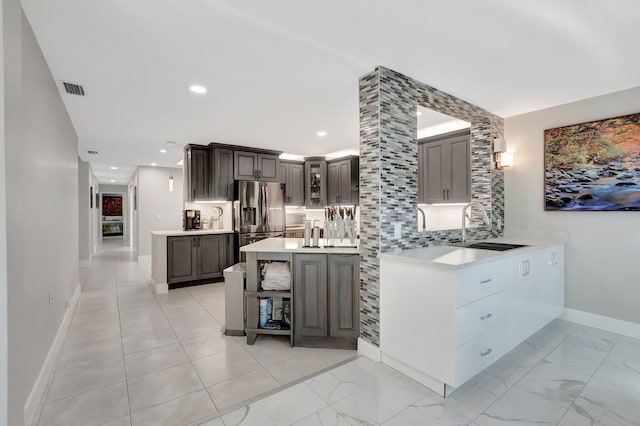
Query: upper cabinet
[
  {"x": 343, "y": 181},
  {"x": 255, "y": 166},
  {"x": 197, "y": 173},
  {"x": 292, "y": 175},
  {"x": 315, "y": 189},
  {"x": 222, "y": 174},
  {"x": 444, "y": 168}
]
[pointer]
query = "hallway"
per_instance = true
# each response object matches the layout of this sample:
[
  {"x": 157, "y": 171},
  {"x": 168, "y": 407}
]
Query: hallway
[{"x": 131, "y": 357}]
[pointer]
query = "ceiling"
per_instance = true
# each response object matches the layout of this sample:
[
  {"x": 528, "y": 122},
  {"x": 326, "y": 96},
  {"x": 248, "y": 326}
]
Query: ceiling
[{"x": 279, "y": 71}]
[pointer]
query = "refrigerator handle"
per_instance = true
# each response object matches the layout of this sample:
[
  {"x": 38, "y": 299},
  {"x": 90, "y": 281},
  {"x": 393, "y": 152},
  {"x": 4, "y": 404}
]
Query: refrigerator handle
[{"x": 265, "y": 204}]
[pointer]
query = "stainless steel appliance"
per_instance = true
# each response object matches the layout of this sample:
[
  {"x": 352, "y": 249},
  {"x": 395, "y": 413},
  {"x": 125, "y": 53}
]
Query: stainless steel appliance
[
  {"x": 258, "y": 212},
  {"x": 191, "y": 220}
]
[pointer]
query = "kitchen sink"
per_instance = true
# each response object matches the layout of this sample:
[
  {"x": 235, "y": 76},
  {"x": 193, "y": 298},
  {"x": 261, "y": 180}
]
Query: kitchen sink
[{"x": 494, "y": 246}]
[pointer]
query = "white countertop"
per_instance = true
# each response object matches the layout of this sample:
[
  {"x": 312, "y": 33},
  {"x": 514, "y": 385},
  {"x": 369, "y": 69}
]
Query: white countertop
[
  {"x": 279, "y": 245},
  {"x": 453, "y": 257},
  {"x": 179, "y": 232}
]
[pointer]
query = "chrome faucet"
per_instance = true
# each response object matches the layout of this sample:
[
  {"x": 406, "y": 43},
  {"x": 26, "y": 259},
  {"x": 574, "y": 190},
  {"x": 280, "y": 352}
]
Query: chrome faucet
[
  {"x": 424, "y": 218},
  {"x": 465, "y": 215}
]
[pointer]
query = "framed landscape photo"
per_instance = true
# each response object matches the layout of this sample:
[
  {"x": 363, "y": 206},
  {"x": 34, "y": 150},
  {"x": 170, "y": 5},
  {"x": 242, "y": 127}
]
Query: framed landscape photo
[{"x": 593, "y": 166}]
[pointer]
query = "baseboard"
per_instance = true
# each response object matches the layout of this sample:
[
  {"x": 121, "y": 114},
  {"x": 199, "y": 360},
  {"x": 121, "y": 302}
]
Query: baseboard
[
  {"x": 37, "y": 392},
  {"x": 369, "y": 350},
  {"x": 158, "y": 288},
  {"x": 625, "y": 328},
  {"x": 424, "y": 379}
]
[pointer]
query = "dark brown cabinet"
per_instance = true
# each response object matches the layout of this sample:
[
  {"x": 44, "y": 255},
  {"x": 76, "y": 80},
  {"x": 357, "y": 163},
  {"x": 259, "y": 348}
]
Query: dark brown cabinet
[
  {"x": 315, "y": 177},
  {"x": 197, "y": 173},
  {"x": 326, "y": 299},
  {"x": 292, "y": 175},
  {"x": 209, "y": 173},
  {"x": 198, "y": 257},
  {"x": 343, "y": 181},
  {"x": 444, "y": 168},
  {"x": 222, "y": 174},
  {"x": 249, "y": 165}
]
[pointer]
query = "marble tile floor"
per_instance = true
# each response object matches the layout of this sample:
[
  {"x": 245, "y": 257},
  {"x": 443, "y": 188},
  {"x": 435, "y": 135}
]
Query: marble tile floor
[
  {"x": 133, "y": 358},
  {"x": 565, "y": 374}
]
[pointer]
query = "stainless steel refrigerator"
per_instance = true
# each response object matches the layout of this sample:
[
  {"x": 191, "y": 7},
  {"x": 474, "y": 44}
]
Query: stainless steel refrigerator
[{"x": 259, "y": 212}]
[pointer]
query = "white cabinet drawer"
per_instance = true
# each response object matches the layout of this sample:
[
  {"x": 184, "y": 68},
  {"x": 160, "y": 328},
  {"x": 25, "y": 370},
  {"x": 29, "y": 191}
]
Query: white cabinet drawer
[
  {"x": 479, "y": 317},
  {"x": 480, "y": 281},
  {"x": 478, "y": 354}
]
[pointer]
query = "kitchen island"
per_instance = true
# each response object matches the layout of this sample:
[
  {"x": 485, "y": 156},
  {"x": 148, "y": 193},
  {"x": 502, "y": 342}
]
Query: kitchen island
[
  {"x": 179, "y": 257},
  {"x": 467, "y": 307},
  {"x": 323, "y": 296}
]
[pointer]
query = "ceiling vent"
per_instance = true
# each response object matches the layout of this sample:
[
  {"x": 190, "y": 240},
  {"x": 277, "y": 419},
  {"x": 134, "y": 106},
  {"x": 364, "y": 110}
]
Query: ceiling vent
[
  {"x": 73, "y": 89},
  {"x": 92, "y": 152}
]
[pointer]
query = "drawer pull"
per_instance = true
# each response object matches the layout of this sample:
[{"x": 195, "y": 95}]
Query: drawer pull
[
  {"x": 486, "y": 352},
  {"x": 486, "y": 316},
  {"x": 485, "y": 281}
]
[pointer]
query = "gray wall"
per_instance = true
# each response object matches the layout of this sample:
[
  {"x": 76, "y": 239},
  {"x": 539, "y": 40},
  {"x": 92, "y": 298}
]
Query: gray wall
[
  {"x": 602, "y": 267},
  {"x": 158, "y": 209},
  {"x": 3, "y": 233},
  {"x": 389, "y": 175},
  {"x": 85, "y": 249},
  {"x": 42, "y": 207}
]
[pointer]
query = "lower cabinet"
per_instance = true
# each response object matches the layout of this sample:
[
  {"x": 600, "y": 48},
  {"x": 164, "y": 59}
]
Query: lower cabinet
[
  {"x": 198, "y": 257},
  {"x": 326, "y": 300}
]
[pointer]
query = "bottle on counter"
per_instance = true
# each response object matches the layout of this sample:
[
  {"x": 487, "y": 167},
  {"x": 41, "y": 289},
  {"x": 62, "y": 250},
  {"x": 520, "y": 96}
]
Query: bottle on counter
[
  {"x": 307, "y": 233},
  {"x": 316, "y": 234}
]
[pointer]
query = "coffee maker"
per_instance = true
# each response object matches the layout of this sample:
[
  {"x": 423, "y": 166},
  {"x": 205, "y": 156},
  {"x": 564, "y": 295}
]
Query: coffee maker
[{"x": 191, "y": 220}]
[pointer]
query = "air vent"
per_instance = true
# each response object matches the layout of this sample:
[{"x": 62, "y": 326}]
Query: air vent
[
  {"x": 73, "y": 89},
  {"x": 92, "y": 152}
]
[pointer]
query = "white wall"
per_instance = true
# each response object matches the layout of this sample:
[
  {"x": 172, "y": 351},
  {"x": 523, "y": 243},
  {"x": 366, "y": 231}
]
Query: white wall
[
  {"x": 42, "y": 207},
  {"x": 158, "y": 209},
  {"x": 602, "y": 268}
]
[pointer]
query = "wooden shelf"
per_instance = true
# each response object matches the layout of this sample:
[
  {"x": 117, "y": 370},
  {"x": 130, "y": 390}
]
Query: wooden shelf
[
  {"x": 270, "y": 293},
  {"x": 286, "y": 332}
]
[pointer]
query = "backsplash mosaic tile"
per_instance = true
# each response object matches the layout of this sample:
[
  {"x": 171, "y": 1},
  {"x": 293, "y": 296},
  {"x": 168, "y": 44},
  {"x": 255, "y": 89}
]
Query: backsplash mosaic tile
[{"x": 389, "y": 171}]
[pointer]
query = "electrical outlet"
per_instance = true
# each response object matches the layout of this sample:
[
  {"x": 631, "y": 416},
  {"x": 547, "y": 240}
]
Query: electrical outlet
[
  {"x": 524, "y": 268},
  {"x": 50, "y": 298},
  {"x": 397, "y": 230}
]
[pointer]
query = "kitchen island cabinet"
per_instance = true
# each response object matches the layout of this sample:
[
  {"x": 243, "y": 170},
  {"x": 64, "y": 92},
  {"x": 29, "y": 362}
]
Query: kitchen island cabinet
[
  {"x": 324, "y": 292},
  {"x": 189, "y": 257}
]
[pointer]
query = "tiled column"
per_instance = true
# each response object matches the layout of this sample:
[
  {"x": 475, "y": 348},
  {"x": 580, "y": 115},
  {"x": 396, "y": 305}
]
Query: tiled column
[{"x": 389, "y": 171}]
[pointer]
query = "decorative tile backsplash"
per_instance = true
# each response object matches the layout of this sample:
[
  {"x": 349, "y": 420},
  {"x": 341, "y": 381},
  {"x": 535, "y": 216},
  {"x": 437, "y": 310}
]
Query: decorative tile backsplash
[{"x": 389, "y": 172}]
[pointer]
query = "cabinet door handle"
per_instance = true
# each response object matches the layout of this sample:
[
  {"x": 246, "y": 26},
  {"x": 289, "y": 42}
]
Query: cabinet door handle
[
  {"x": 443, "y": 197},
  {"x": 447, "y": 194},
  {"x": 486, "y": 352},
  {"x": 485, "y": 281},
  {"x": 485, "y": 316},
  {"x": 194, "y": 193}
]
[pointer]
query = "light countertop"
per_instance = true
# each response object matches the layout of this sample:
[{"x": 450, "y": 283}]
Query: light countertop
[
  {"x": 179, "y": 232},
  {"x": 452, "y": 257},
  {"x": 279, "y": 245}
]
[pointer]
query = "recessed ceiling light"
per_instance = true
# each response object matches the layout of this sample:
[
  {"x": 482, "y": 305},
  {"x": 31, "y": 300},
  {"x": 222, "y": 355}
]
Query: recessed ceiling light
[
  {"x": 198, "y": 89},
  {"x": 113, "y": 168},
  {"x": 419, "y": 113},
  {"x": 163, "y": 151},
  {"x": 153, "y": 164},
  {"x": 321, "y": 133},
  {"x": 112, "y": 180}
]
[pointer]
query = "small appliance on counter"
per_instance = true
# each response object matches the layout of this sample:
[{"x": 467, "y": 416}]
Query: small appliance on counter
[{"x": 191, "y": 220}]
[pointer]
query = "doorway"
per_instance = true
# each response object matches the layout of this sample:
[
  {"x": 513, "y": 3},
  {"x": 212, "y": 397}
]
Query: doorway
[{"x": 112, "y": 223}]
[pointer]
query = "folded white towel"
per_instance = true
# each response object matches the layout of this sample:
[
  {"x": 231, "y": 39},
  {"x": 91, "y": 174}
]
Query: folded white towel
[
  {"x": 277, "y": 270},
  {"x": 269, "y": 284}
]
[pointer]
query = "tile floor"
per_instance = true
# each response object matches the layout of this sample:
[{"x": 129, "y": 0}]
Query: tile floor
[
  {"x": 564, "y": 375},
  {"x": 133, "y": 358}
]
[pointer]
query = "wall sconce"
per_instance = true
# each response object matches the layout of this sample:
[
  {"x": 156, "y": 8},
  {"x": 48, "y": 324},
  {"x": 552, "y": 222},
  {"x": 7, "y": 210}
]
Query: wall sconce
[
  {"x": 501, "y": 156},
  {"x": 170, "y": 183}
]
